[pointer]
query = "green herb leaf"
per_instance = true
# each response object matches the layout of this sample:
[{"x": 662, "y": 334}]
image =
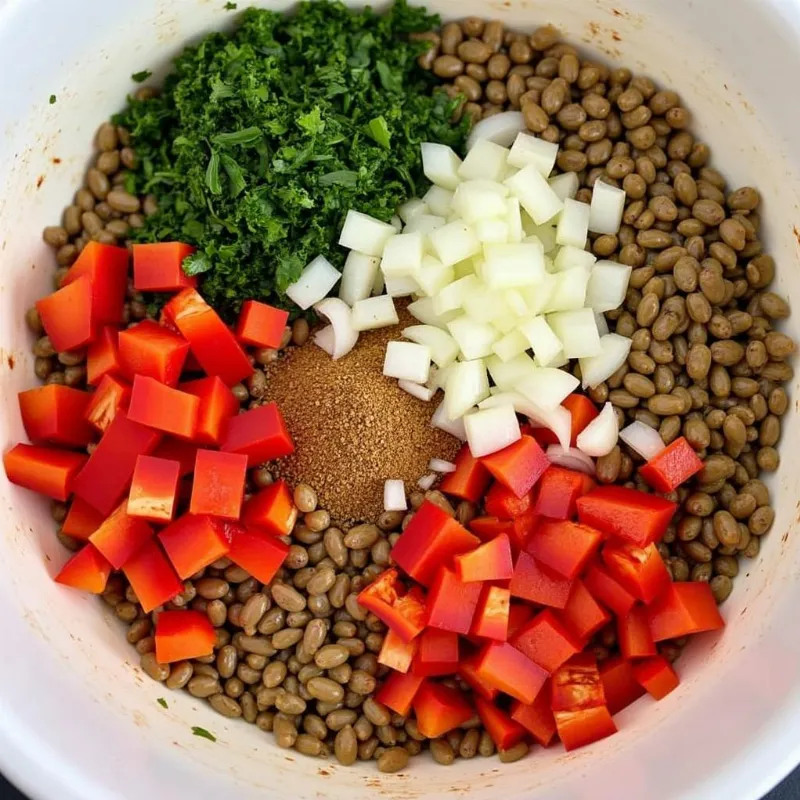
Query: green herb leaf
[
  {"x": 379, "y": 131},
  {"x": 212, "y": 174},
  {"x": 244, "y": 136},
  {"x": 141, "y": 77},
  {"x": 203, "y": 733},
  {"x": 235, "y": 175},
  {"x": 312, "y": 123},
  {"x": 342, "y": 177},
  {"x": 219, "y": 89},
  {"x": 162, "y": 702},
  {"x": 230, "y": 6},
  {"x": 196, "y": 263},
  {"x": 52, "y": 99}
]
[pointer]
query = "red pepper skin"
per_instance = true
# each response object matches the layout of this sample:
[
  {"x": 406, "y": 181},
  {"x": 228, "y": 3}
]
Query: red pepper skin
[
  {"x": 673, "y": 466},
  {"x": 577, "y": 684},
  {"x": 397, "y": 654},
  {"x": 584, "y": 726},
  {"x": 619, "y": 685},
  {"x": 559, "y": 490},
  {"x": 582, "y": 411},
  {"x": 260, "y": 434},
  {"x": 163, "y": 408},
  {"x": 398, "y": 691},
  {"x": 486, "y": 528},
  {"x": 45, "y": 470},
  {"x": 185, "y": 453},
  {"x": 633, "y": 634},
  {"x": 523, "y": 527},
  {"x": 583, "y": 615},
  {"x": 385, "y": 597},
  {"x": 519, "y": 466},
  {"x": 656, "y": 676},
  {"x": 111, "y": 396},
  {"x": 102, "y": 356},
  {"x": 630, "y": 515},
  {"x": 82, "y": 520},
  {"x": 502, "y": 503},
  {"x": 151, "y": 576},
  {"x": 192, "y": 543},
  {"x": 106, "y": 268},
  {"x": 534, "y": 582},
  {"x": 154, "y": 489},
  {"x": 468, "y": 670},
  {"x": 683, "y": 609},
  {"x": 505, "y": 731},
  {"x": 183, "y": 635},
  {"x": 545, "y": 641},
  {"x": 120, "y": 536},
  {"x": 154, "y": 351},
  {"x": 470, "y": 479},
  {"x": 430, "y": 540},
  {"x": 518, "y": 615},
  {"x": 54, "y": 414},
  {"x": 437, "y": 654},
  {"x": 608, "y": 591},
  {"x": 508, "y": 670},
  {"x": 66, "y": 316},
  {"x": 87, "y": 570},
  {"x": 261, "y": 325},
  {"x": 218, "y": 487},
  {"x": 439, "y": 709},
  {"x": 452, "y": 602},
  {"x": 272, "y": 510},
  {"x": 489, "y": 562},
  {"x": 158, "y": 267},
  {"x": 491, "y": 615},
  {"x": 259, "y": 554},
  {"x": 640, "y": 570},
  {"x": 563, "y": 546},
  {"x": 536, "y": 717},
  {"x": 217, "y": 406}
]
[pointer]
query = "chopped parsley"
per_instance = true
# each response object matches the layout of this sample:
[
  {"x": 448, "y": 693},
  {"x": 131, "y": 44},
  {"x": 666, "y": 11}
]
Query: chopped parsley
[
  {"x": 230, "y": 6},
  {"x": 203, "y": 733},
  {"x": 52, "y": 99},
  {"x": 141, "y": 77},
  {"x": 162, "y": 702}
]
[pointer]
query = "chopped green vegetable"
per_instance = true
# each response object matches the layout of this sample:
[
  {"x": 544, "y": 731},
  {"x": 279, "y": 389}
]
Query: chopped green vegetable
[
  {"x": 262, "y": 139},
  {"x": 203, "y": 733},
  {"x": 141, "y": 77},
  {"x": 52, "y": 99},
  {"x": 162, "y": 702},
  {"x": 230, "y": 6}
]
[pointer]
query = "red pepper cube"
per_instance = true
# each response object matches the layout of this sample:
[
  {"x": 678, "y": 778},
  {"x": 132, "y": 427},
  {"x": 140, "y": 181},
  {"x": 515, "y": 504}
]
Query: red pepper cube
[
  {"x": 510, "y": 671},
  {"x": 152, "y": 577},
  {"x": 87, "y": 570},
  {"x": 608, "y": 591},
  {"x": 154, "y": 489},
  {"x": 656, "y": 676},
  {"x": 559, "y": 490},
  {"x": 633, "y": 634},
  {"x": 439, "y": 709},
  {"x": 66, "y": 316},
  {"x": 82, "y": 520},
  {"x": 619, "y": 685},
  {"x": 398, "y": 691},
  {"x": 163, "y": 408},
  {"x": 546, "y": 642},
  {"x": 534, "y": 582},
  {"x": 683, "y": 609},
  {"x": 582, "y": 412},
  {"x": 120, "y": 536},
  {"x": 151, "y": 350},
  {"x": 486, "y": 528},
  {"x": 467, "y": 670},
  {"x": 518, "y": 615},
  {"x": 102, "y": 356},
  {"x": 397, "y": 654},
  {"x": 577, "y": 685},
  {"x": 489, "y": 562},
  {"x": 183, "y": 635},
  {"x": 108, "y": 472},
  {"x": 45, "y": 470},
  {"x": 584, "y": 726},
  {"x": 641, "y": 571},
  {"x": 54, "y": 414},
  {"x": 217, "y": 406},
  {"x": 431, "y": 539},
  {"x": 185, "y": 453},
  {"x": 260, "y": 434},
  {"x": 563, "y": 546},
  {"x": 491, "y": 615},
  {"x": 258, "y": 554},
  {"x": 452, "y": 603},
  {"x": 522, "y": 529},
  {"x": 385, "y": 597},
  {"x": 106, "y": 268},
  {"x": 437, "y": 653},
  {"x": 470, "y": 479},
  {"x": 261, "y": 325},
  {"x": 110, "y": 397},
  {"x": 192, "y": 543},
  {"x": 212, "y": 342},
  {"x": 582, "y": 614},
  {"x": 218, "y": 487},
  {"x": 536, "y": 717},
  {"x": 158, "y": 267},
  {"x": 505, "y": 731},
  {"x": 673, "y": 466},
  {"x": 272, "y": 510},
  {"x": 519, "y": 466},
  {"x": 502, "y": 503},
  {"x": 626, "y": 513}
]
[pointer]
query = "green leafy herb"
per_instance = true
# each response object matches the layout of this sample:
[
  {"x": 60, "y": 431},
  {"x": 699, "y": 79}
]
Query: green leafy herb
[
  {"x": 141, "y": 77},
  {"x": 162, "y": 702},
  {"x": 230, "y": 6},
  {"x": 262, "y": 139},
  {"x": 52, "y": 99},
  {"x": 203, "y": 733}
]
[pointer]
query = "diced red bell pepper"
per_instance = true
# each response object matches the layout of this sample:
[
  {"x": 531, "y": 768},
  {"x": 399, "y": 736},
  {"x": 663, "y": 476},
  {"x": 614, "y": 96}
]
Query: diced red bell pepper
[
  {"x": 510, "y": 671},
  {"x": 192, "y": 543},
  {"x": 585, "y": 726},
  {"x": 217, "y": 405},
  {"x": 152, "y": 350},
  {"x": 519, "y": 466},
  {"x": 437, "y": 653},
  {"x": 439, "y": 709},
  {"x": 656, "y": 676},
  {"x": 102, "y": 356},
  {"x": 582, "y": 411},
  {"x": 158, "y": 267},
  {"x": 161, "y": 407},
  {"x": 683, "y": 609},
  {"x": 489, "y": 562},
  {"x": 218, "y": 487},
  {"x": 608, "y": 591},
  {"x": 111, "y": 396},
  {"x": 403, "y": 613},
  {"x": 566, "y": 547},
  {"x": 619, "y": 686},
  {"x": 54, "y": 414},
  {"x": 151, "y": 576},
  {"x": 470, "y": 479},
  {"x": 45, "y": 470},
  {"x": 518, "y": 615},
  {"x": 673, "y": 466},
  {"x": 468, "y": 670},
  {"x": 272, "y": 509},
  {"x": 399, "y": 690},
  {"x": 559, "y": 490},
  {"x": 633, "y": 634},
  {"x": 491, "y": 615},
  {"x": 583, "y": 615},
  {"x": 82, "y": 520},
  {"x": 260, "y": 434},
  {"x": 183, "y": 635},
  {"x": 120, "y": 536},
  {"x": 261, "y": 325},
  {"x": 626, "y": 513},
  {"x": 109, "y": 470},
  {"x": 535, "y": 582},
  {"x": 486, "y": 528},
  {"x": 185, "y": 453},
  {"x": 87, "y": 570},
  {"x": 451, "y": 602},
  {"x": 505, "y": 731},
  {"x": 212, "y": 342},
  {"x": 536, "y": 717},
  {"x": 106, "y": 268},
  {"x": 154, "y": 489},
  {"x": 257, "y": 553},
  {"x": 66, "y": 316},
  {"x": 431, "y": 539},
  {"x": 523, "y": 527},
  {"x": 640, "y": 570},
  {"x": 397, "y": 654},
  {"x": 546, "y": 641},
  {"x": 502, "y": 503}
]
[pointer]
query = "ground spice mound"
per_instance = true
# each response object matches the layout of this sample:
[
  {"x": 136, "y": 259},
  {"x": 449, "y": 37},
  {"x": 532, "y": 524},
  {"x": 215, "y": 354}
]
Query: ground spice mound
[{"x": 352, "y": 427}]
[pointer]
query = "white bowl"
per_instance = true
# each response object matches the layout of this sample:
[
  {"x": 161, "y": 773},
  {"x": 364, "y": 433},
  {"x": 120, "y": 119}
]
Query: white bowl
[{"x": 79, "y": 720}]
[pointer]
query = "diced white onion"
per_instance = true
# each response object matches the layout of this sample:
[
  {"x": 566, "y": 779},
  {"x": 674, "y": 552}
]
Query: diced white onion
[
  {"x": 547, "y": 387},
  {"x": 530, "y": 150},
  {"x": 573, "y": 224},
  {"x": 396, "y": 223},
  {"x": 506, "y": 374},
  {"x": 314, "y": 283},
  {"x": 455, "y": 427},
  {"x": 485, "y": 159},
  {"x": 534, "y": 194},
  {"x": 394, "y": 496},
  {"x": 511, "y": 345},
  {"x": 538, "y": 297},
  {"x": 475, "y": 339},
  {"x": 438, "y": 200},
  {"x": 491, "y": 231},
  {"x": 570, "y": 291},
  {"x": 570, "y": 257},
  {"x": 467, "y": 385},
  {"x": 601, "y": 322},
  {"x": 614, "y": 351},
  {"x": 423, "y": 393},
  {"x": 511, "y": 265},
  {"x": 401, "y": 287},
  {"x": 407, "y": 360},
  {"x": 558, "y": 419},
  {"x": 646, "y": 441},
  {"x": 433, "y": 276},
  {"x": 491, "y": 429},
  {"x": 378, "y": 286},
  {"x": 440, "y": 465},
  {"x": 402, "y": 255},
  {"x": 485, "y": 305},
  {"x": 365, "y": 234},
  {"x": 340, "y": 316},
  {"x": 565, "y": 185},
  {"x": 426, "y": 482},
  {"x": 374, "y": 312},
  {"x": 514, "y": 220},
  {"x": 358, "y": 277},
  {"x": 325, "y": 339},
  {"x": 451, "y": 297},
  {"x": 500, "y": 128},
  {"x": 600, "y": 436},
  {"x": 411, "y": 208},
  {"x": 577, "y": 331},
  {"x": 480, "y": 199},
  {"x": 454, "y": 242},
  {"x": 424, "y": 310},
  {"x": 424, "y": 224},
  {"x": 607, "y": 206},
  {"x": 607, "y": 285},
  {"x": 440, "y": 165},
  {"x": 570, "y": 458},
  {"x": 443, "y": 347}
]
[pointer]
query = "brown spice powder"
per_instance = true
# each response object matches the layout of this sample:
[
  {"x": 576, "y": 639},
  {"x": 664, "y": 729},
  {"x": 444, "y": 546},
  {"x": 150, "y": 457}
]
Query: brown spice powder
[{"x": 353, "y": 428}]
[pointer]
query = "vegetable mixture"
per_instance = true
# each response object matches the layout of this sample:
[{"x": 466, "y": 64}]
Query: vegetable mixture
[{"x": 376, "y": 577}]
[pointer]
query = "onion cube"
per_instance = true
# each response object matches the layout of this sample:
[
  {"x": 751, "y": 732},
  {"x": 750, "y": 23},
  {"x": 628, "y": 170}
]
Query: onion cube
[
  {"x": 538, "y": 297},
  {"x": 479, "y": 199},
  {"x": 358, "y": 276},
  {"x": 326, "y": 339},
  {"x": 548, "y": 387},
  {"x": 394, "y": 496},
  {"x": 402, "y": 255},
  {"x": 512, "y": 265},
  {"x": 546, "y": 234},
  {"x": 491, "y": 231},
  {"x": 491, "y": 429},
  {"x": 454, "y": 242},
  {"x": 614, "y": 351},
  {"x": 451, "y": 297},
  {"x": 608, "y": 284},
  {"x": 511, "y": 345},
  {"x": 565, "y": 185},
  {"x": 314, "y": 283},
  {"x": 475, "y": 339},
  {"x": 467, "y": 384},
  {"x": 540, "y": 336},
  {"x": 569, "y": 292},
  {"x": 485, "y": 160},
  {"x": 401, "y": 287},
  {"x": 424, "y": 393},
  {"x": 412, "y": 208},
  {"x": 529, "y": 150},
  {"x": 514, "y": 220},
  {"x": 607, "y": 206},
  {"x": 374, "y": 312},
  {"x": 424, "y": 223},
  {"x": 534, "y": 194},
  {"x": 377, "y": 286},
  {"x": 424, "y": 310},
  {"x": 365, "y": 234},
  {"x": 486, "y": 305},
  {"x": 438, "y": 200},
  {"x": 455, "y": 427},
  {"x": 577, "y": 331},
  {"x": 506, "y": 374},
  {"x": 408, "y": 361},
  {"x": 573, "y": 224},
  {"x": 440, "y": 165},
  {"x": 570, "y": 257},
  {"x": 433, "y": 276},
  {"x": 443, "y": 347}
]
